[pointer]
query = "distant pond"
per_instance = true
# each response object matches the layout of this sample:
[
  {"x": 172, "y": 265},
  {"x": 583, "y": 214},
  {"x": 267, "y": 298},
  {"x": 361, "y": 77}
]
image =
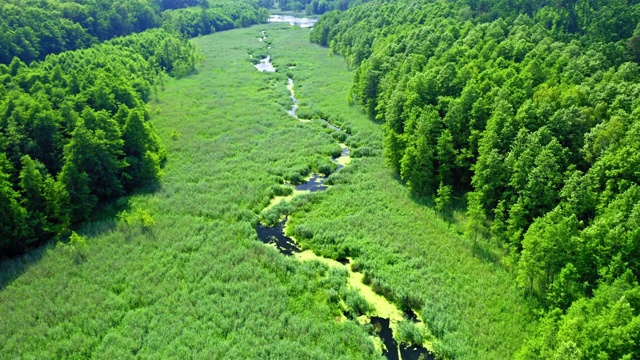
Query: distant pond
[{"x": 292, "y": 20}]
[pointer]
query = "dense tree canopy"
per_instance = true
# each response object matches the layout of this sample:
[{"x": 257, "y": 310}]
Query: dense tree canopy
[
  {"x": 318, "y": 6},
  {"x": 74, "y": 131},
  {"x": 217, "y": 16},
  {"x": 73, "y": 127},
  {"x": 32, "y": 29},
  {"x": 532, "y": 111}
]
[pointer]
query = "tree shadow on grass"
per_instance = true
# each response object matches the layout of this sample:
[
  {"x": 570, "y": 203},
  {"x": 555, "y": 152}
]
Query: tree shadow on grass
[
  {"x": 481, "y": 247},
  {"x": 484, "y": 252},
  {"x": 101, "y": 221},
  {"x": 12, "y": 268},
  {"x": 423, "y": 200}
]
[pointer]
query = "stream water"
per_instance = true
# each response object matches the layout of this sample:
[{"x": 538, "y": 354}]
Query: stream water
[
  {"x": 294, "y": 108},
  {"x": 387, "y": 314},
  {"x": 265, "y": 65},
  {"x": 275, "y": 236}
]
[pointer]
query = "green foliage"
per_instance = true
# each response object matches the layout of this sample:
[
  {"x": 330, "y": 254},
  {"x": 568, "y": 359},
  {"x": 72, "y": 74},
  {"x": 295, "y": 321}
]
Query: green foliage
[
  {"x": 281, "y": 190},
  {"x": 214, "y": 16},
  {"x": 77, "y": 131},
  {"x": 526, "y": 108},
  {"x": 476, "y": 217},
  {"x": 76, "y": 248},
  {"x": 197, "y": 283},
  {"x": 443, "y": 198},
  {"x": 356, "y": 304},
  {"x": 138, "y": 216},
  {"x": 605, "y": 326},
  {"x": 317, "y": 6},
  {"x": 408, "y": 333},
  {"x": 31, "y": 30},
  {"x": 12, "y": 223},
  {"x": 530, "y": 109}
]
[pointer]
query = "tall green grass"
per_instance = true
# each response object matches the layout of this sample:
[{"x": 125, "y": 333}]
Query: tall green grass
[
  {"x": 410, "y": 253},
  {"x": 197, "y": 283}
]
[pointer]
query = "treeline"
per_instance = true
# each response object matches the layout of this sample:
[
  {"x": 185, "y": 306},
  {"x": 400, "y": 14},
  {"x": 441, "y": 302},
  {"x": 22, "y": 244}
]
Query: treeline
[
  {"x": 32, "y": 29},
  {"x": 218, "y": 16},
  {"x": 74, "y": 132},
  {"x": 537, "y": 122},
  {"x": 318, "y": 7}
]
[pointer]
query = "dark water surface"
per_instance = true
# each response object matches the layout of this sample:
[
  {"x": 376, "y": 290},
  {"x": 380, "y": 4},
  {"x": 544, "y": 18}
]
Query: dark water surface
[
  {"x": 410, "y": 314},
  {"x": 275, "y": 235},
  {"x": 383, "y": 329},
  {"x": 415, "y": 353},
  {"x": 316, "y": 183}
]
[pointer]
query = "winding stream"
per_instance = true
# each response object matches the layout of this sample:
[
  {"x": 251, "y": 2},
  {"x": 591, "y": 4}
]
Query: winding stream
[{"x": 386, "y": 315}]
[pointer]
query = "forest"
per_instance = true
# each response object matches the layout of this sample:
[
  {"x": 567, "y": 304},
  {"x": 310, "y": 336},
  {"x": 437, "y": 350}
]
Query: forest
[
  {"x": 529, "y": 112},
  {"x": 32, "y": 29},
  {"x": 317, "y": 7},
  {"x": 74, "y": 130}
]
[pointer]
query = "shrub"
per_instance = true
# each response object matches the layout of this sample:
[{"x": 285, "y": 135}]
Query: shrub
[
  {"x": 294, "y": 177},
  {"x": 365, "y": 151},
  {"x": 277, "y": 190},
  {"x": 335, "y": 178},
  {"x": 356, "y": 266},
  {"x": 76, "y": 247},
  {"x": 326, "y": 169},
  {"x": 333, "y": 296},
  {"x": 408, "y": 333},
  {"x": 366, "y": 279},
  {"x": 340, "y": 136},
  {"x": 303, "y": 232},
  {"x": 356, "y": 304},
  {"x": 304, "y": 112},
  {"x": 336, "y": 151}
]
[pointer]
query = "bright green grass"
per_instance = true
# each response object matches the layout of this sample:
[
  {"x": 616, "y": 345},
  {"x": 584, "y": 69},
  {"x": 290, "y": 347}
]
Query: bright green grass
[
  {"x": 197, "y": 284},
  {"x": 465, "y": 294}
]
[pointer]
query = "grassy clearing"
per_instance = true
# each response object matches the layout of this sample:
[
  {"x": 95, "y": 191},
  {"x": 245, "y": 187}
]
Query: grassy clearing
[
  {"x": 405, "y": 248},
  {"x": 196, "y": 284}
]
